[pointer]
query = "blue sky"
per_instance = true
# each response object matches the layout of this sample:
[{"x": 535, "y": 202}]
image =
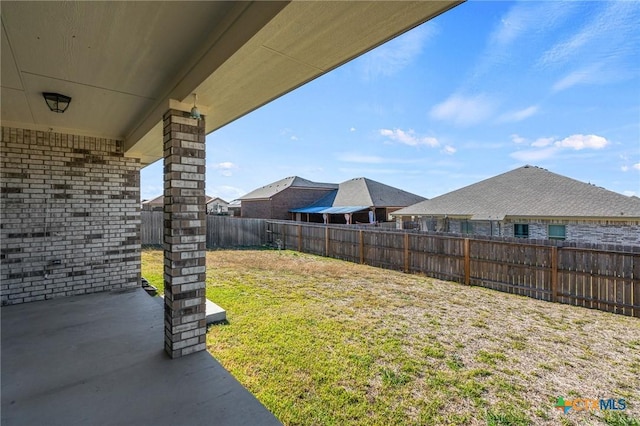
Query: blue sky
[{"x": 480, "y": 90}]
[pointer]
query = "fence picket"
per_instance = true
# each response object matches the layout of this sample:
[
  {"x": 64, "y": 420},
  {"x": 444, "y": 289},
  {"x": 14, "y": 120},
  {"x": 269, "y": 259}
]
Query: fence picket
[{"x": 591, "y": 277}]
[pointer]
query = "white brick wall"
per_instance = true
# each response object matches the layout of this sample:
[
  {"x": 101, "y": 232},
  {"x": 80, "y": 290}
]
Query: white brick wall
[{"x": 70, "y": 216}]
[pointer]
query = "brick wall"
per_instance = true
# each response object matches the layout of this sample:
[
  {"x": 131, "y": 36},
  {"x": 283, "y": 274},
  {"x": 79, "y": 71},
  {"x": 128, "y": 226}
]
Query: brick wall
[
  {"x": 257, "y": 209},
  {"x": 280, "y": 204},
  {"x": 70, "y": 216},
  {"x": 185, "y": 234},
  {"x": 592, "y": 232},
  {"x": 294, "y": 198},
  {"x": 612, "y": 233}
]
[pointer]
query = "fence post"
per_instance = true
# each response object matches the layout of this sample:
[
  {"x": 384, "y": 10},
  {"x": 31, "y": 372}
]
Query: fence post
[
  {"x": 406, "y": 253},
  {"x": 300, "y": 238},
  {"x": 361, "y": 247},
  {"x": 326, "y": 241},
  {"x": 554, "y": 274},
  {"x": 284, "y": 236},
  {"x": 467, "y": 262}
]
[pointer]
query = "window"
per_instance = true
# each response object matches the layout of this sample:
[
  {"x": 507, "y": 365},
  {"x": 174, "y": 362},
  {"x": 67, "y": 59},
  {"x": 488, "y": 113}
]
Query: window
[
  {"x": 466, "y": 227},
  {"x": 557, "y": 232},
  {"x": 521, "y": 230}
]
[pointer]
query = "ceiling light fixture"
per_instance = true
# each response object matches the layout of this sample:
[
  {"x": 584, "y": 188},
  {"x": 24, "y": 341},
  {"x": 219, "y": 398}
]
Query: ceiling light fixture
[
  {"x": 57, "y": 102},
  {"x": 194, "y": 111}
]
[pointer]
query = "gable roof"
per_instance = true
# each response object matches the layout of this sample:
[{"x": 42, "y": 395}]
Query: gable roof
[
  {"x": 366, "y": 192},
  {"x": 528, "y": 191},
  {"x": 216, "y": 199},
  {"x": 158, "y": 200},
  {"x": 272, "y": 189},
  {"x": 360, "y": 194}
]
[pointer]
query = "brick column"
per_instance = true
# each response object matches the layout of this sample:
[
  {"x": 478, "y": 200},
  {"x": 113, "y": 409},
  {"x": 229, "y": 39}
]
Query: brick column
[{"x": 184, "y": 234}]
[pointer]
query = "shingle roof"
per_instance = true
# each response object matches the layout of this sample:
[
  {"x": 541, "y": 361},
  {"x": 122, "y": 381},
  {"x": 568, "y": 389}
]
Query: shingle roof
[
  {"x": 528, "y": 192},
  {"x": 366, "y": 192},
  {"x": 272, "y": 189},
  {"x": 360, "y": 194}
]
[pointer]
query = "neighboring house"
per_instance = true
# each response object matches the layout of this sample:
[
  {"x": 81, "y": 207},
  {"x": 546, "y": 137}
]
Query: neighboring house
[
  {"x": 531, "y": 202},
  {"x": 274, "y": 201},
  {"x": 217, "y": 206},
  {"x": 157, "y": 204},
  {"x": 353, "y": 201},
  {"x": 234, "y": 208}
]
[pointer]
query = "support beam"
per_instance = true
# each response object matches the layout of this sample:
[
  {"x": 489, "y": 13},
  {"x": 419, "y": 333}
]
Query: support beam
[{"x": 184, "y": 234}]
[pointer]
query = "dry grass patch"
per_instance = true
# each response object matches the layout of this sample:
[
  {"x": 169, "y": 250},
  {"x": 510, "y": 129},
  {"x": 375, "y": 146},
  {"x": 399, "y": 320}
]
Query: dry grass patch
[{"x": 326, "y": 342}]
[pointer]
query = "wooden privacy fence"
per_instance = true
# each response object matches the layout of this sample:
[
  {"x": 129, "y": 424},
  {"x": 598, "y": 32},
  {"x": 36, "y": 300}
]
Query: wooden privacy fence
[
  {"x": 593, "y": 278},
  {"x": 226, "y": 231},
  {"x": 222, "y": 231},
  {"x": 151, "y": 228}
]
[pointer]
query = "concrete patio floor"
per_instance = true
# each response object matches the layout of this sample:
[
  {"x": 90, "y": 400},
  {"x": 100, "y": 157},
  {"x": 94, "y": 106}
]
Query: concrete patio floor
[{"x": 99, "y": 359}]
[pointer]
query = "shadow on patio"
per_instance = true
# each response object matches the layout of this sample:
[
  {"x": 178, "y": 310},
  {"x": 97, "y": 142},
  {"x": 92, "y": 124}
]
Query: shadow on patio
[{"x": 99, "y": 359}]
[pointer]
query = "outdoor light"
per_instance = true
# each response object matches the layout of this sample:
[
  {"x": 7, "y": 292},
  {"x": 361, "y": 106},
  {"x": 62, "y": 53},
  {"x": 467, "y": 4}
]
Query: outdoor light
[
  {"x": 194, "y": 111},
  {"x": 57, "y": 102}
]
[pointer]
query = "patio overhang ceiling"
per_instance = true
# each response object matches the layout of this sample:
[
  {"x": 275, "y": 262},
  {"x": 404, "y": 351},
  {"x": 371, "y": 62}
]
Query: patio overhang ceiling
[{"x": 123, "y": 62}]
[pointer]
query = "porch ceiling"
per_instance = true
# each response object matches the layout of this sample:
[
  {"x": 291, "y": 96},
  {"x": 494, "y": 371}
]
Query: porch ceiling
[{"x": 121, "y": 62}]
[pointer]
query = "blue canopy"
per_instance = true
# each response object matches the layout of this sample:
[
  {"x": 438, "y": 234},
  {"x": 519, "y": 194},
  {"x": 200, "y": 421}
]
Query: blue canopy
[{"x": 330, "y": 210}]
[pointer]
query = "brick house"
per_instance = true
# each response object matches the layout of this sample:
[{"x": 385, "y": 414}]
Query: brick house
[
  {"x": 157, "y": 204},
  {"x": 82, "y": 113},
  {"x": 531, "y": 202},
  {"x": 273, "y": 201},
  {"x": 353, "y": 200}
]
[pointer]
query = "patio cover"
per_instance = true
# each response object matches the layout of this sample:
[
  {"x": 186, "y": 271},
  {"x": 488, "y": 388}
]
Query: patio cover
[
  {"x": 125, "y": 63},
  {"x": 330, "y": 210}
]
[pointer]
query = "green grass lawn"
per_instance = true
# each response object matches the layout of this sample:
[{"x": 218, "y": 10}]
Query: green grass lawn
[{"x": 325, "y": 342}]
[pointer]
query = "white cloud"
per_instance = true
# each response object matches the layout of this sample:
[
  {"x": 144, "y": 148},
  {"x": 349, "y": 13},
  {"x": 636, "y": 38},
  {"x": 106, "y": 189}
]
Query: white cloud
[
  {"x": 526, "y": 18},
  {"x": 624, "y": 168},
  {"x": 542, "y": 142},
  {"x": 225, "y": 168},
  {"x": 396, "y": 54},
  {"x": 519, "y": 115},
  {"x": 448, "y": 149},
  {"x": 579, "y": 142},
  {"x": 636, "y": 166},
  {"x": 409, "y": 137},
  {"x": 587, "y": 75},
  {"x": 544, "y": 148},
  {"x": 226, "y": 192},
  {"x": 612, "y": 33},
  {"x": 464, "y": 110},
  {"x": 353, "y": 129},
  {"x": 287, "y": 132},
  {"x": 225, "y": 165},
  {"x": 630, "y": 193},
  {"x": 517, "y": 139}
]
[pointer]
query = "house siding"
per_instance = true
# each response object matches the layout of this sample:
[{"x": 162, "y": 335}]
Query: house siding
[
  {"x": 70, "y": 216},
  {"x": 592, "y": 232}
]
